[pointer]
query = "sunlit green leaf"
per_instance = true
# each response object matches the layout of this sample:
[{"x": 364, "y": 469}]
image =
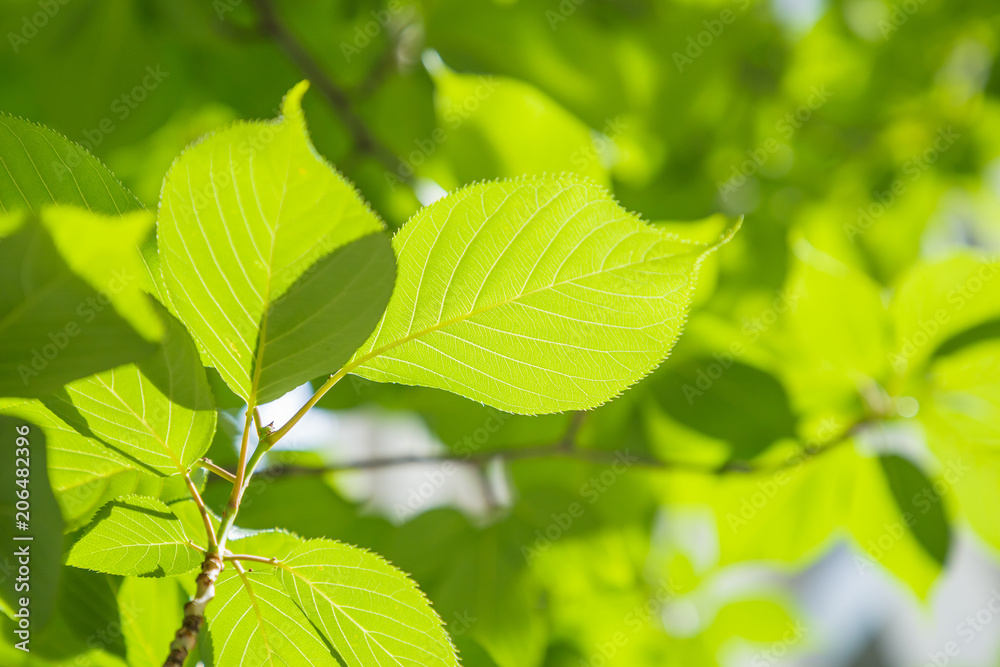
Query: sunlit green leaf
[
  {"x": 253, "y": 621},
  {"x": 243, "y": 216},
  {"x": 531, "y": 296},
  {"x": 158, "y": 414},
  {"x": 41, "y": 167},
  {"x": 135, "y": 536},
  {"x": 368, "y": 610}
]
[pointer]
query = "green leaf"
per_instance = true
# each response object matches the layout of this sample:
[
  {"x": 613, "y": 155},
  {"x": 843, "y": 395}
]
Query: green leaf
[
  {"x": 135, "y": 536},
  {"x": 961, "y": 414},
  {"x": 368, "y": 610},
  {"x": 838, "y": 332},
  {"x": 151, "y": 611},
  {"x": 497, "y": 126},
  {"x": 159, "y": 414},
  {"x": 327, "y": 314},
  {"x": 71, "y": 304},
  {"x": 243, "y": 216},
  {"x": 533, "y": 296},
  {"x": 920, "y": 505},
  {"x": 697, "y": 393},
  {"x": 253, "y": 621},
  {"x": 23, "y": 448},
  {"x": 39, "y": 167},
  {"x": 936, "y": 301},
  {"x": 84, "y": 473}
]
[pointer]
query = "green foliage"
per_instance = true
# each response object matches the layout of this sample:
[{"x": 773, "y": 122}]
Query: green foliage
[
  {"x": 368, "y": 610},
  {"x": 135, "y": 536},
  {"x": 835, "y": 383},
  {"x": 244, "y": 215},
  {"x": 42, "y": 167},
  {"x": 532, "y": 296},
  {"x": 72, "y": 304},
  {"x": 159, "y": 414}
]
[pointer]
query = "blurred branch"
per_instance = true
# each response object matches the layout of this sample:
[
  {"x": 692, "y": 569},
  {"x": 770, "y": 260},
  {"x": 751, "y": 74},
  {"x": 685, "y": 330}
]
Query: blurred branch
[
  {"x": 273, "y": 27},
  {"x": 566, "y": 448}
]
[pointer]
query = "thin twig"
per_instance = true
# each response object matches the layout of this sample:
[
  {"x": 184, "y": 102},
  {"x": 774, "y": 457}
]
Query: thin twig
[
  {"x": 251, "y": 557},
  {"x": 272, "y": 26},
  {"x": 560, "y": 450},
  {"x": 277, "y": 435},
  {"x": 207, "y": 464},
  {"x": 256, "y": 421},
  {"x": 241, "y": 468},
  {"x": 209, "y": 529}
]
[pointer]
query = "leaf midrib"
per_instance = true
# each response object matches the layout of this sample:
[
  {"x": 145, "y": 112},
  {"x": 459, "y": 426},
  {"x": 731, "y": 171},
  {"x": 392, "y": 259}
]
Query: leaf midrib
[{"x": 476, "y": 311}]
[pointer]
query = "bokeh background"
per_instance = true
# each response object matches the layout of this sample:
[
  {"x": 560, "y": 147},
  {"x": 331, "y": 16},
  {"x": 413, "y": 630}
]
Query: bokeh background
[{"x": 751, "y": 519}]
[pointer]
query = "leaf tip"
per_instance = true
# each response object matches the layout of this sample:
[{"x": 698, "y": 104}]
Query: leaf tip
[{"x": 291, "y": 105}]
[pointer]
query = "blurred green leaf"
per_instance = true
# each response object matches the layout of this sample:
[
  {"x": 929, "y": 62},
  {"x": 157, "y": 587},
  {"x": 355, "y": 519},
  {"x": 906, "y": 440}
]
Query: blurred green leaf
[
  {"x": 920, "y": 504},
  {"x": 72, "y": 304}
]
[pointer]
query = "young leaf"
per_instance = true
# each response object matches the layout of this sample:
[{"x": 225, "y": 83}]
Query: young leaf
[
  {"x": 40, "y": 167},
  {"x": 244, "y": 214},
  {"x": 24, "y": 449},
  {"x": 368, "y": 610},
  {"x": 135, "y": 536},
  {"x": 920, "y": 504},
  {"x": 72, "y": 303},
  {"x": 252, "y": 619},
  {"x": 159, "y": 413},
  {"x": 533, "y": 296}
]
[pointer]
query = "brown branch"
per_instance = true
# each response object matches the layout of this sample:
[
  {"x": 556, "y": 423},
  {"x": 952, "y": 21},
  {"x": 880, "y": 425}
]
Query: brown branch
[
  {"x": 274, "y": 28},
  {"x": 562, "y": 450},
  {"x": 194, "y": 611}
]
